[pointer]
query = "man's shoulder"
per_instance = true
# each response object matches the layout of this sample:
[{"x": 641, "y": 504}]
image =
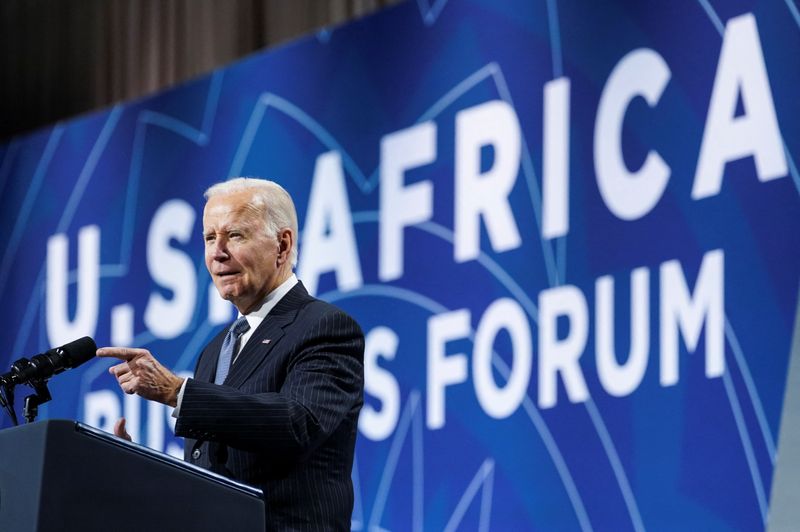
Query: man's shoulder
[
  {"x": 308, "y": 303},
  {"x": 312, "y": 309},
  {"x": 320, "y": 308}
]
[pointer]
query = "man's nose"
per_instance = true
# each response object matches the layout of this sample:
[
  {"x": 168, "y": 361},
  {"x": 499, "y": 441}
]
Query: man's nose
[{"x": 219, "y": 251}]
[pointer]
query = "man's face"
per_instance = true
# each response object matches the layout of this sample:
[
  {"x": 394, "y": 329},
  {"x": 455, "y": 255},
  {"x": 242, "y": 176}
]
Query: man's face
[{"x": 244, "y": 262}]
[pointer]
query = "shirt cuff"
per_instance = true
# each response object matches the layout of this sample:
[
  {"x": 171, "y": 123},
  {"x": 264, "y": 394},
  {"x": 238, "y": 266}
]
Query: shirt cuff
[{"x": 177, "y": 411}]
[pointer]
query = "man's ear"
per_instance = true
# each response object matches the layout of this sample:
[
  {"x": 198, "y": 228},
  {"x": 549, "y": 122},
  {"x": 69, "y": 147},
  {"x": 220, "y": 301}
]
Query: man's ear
[{"x": 285, "y": 244}]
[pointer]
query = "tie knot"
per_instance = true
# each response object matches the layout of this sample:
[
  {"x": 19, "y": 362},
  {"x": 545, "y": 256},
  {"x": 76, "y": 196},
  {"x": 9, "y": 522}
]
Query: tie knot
[{"x": 240, "y": 326}]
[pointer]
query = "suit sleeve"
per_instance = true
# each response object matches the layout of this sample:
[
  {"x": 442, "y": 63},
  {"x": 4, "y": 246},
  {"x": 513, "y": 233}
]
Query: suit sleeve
[{"x": 323, "y": 384}]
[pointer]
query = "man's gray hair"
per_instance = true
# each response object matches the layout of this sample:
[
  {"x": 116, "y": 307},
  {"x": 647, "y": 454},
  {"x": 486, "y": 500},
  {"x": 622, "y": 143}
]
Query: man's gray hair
[{"x": 270, "y": 198}]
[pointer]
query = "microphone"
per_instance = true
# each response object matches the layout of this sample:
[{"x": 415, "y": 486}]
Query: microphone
[{"x": 52, "y": 362}]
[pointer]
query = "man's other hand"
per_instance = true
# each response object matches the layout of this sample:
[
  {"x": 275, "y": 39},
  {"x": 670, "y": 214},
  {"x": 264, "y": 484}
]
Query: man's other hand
[{"x": 119, "y": 430}]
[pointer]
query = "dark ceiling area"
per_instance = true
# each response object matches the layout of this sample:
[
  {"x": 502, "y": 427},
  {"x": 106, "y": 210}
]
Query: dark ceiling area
[{"x": 62, "y": 58}]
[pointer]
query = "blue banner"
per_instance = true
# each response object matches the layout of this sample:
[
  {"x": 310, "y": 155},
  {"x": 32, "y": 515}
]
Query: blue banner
[{"x": 569, "y": 230}]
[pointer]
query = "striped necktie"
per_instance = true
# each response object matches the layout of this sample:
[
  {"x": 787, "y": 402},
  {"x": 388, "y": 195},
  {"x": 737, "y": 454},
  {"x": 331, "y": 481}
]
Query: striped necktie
[{"x": 238, "y": 328}]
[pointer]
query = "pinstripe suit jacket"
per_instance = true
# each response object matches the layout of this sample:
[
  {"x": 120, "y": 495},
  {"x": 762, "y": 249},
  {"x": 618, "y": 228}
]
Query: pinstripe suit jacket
[{"x": 285, "y": 419}]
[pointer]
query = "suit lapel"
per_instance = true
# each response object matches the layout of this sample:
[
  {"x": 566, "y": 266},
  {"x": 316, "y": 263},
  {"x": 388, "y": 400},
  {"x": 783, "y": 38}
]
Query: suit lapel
[
  {"x": 266, "y": 336},
  {"x": 207, "y": 365}
]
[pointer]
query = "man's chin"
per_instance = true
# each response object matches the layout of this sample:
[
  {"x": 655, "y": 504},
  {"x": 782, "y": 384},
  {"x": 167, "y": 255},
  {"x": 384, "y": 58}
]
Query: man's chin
[{"x": 228, "y": 293}]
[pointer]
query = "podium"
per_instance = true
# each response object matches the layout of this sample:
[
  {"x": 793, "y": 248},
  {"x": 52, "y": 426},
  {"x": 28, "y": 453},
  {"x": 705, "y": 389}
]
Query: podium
[{"x": 61, "y": 475}]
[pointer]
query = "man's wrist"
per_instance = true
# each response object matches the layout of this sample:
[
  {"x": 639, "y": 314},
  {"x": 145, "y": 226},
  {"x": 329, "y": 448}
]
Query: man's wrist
[
  {"x": 179, "y": 399},
  {"x": 175, "y": 388}
]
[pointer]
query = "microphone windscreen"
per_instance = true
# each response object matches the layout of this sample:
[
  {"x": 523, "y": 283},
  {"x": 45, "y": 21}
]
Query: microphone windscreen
[{"x": 79, "y": 351}]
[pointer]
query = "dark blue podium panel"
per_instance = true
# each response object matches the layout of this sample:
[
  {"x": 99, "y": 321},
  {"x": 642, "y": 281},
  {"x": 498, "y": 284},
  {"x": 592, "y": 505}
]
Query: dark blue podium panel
[{"x": 62, "y": 475}]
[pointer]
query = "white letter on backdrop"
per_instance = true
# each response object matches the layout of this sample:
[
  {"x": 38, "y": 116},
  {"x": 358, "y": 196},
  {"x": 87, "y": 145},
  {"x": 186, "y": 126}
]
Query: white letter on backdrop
[
  {"x": 329, "y": 242},
  {"x": 622, "y": 379},
  {"x": 741, "y": 72},
  {"x": 60, "y": 329},
  {"x": 377, "y": 425},
  {"x": 689, "y": 312},
  {"x": 555, "y": 174},
  {"x": 172, "y": 269},
  {"x": 402, "y": 206},
  {"x": 562, "y": 356},
  {"x": 629, "y": 195},
  {"x": 502, "y": 401},
  {"x": 485, "y": 194},
  {"x": 443, "y": 370}
]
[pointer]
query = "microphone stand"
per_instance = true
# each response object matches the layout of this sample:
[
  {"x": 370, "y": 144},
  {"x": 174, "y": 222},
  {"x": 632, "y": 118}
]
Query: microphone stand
[
  {"x": 7, "y": 399},
  {"x": 40, "y": 396}
]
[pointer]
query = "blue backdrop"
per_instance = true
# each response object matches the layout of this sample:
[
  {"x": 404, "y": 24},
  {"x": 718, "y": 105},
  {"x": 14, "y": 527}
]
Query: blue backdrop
[{"x": 570, "y": 231}]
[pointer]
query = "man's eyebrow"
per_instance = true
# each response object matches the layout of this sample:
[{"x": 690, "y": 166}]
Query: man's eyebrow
[{"x": 238, "y": 228}]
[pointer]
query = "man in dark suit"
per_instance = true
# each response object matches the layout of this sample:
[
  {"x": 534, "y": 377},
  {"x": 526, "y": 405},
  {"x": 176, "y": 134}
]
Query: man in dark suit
[{"x": 275, "y": 398}]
